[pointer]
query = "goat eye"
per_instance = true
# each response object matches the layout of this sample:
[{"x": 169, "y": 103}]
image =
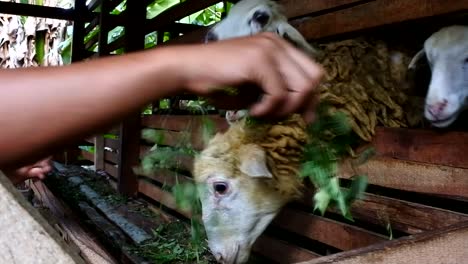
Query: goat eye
[
  {"x": 220, "y": 187},
  {"x": 261, "y": 17}
]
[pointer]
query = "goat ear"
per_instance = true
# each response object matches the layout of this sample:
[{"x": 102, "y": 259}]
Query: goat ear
[
  {"x": 253, "y": 162},
  {"x": 289, "y": 33},
  {"x": 416, "y": 58}
]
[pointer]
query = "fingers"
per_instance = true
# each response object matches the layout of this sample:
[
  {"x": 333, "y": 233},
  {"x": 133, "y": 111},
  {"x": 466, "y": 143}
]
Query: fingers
[
  {"x": 300, "y": 77},
  {"x": 275, "y": 89}
]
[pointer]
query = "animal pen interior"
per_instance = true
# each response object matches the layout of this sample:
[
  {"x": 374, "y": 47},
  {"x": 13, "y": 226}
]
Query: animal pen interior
[{"x": 415, "y": 208}]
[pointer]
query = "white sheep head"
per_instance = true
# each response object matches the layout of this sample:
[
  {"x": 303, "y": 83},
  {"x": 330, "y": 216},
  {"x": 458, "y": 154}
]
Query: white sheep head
[
  {"x": 250, "y": 17},
  {"x": 246, "y": 175},
  {"x": 447, "y": 53}
]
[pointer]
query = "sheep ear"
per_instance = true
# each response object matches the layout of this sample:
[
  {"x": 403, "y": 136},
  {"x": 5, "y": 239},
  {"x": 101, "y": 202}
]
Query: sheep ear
[
  {"x": 289, "y": 33},
  {"x": 416, "y": 58},
  {"x": 253, "y": 162}
]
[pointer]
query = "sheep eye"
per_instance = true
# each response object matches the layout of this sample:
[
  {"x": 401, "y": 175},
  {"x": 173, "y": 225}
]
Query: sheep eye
[
  {"x": 220, "y": 187},
  {"x": 466, "y": 61},
  {"x": 261, "y": 17}
]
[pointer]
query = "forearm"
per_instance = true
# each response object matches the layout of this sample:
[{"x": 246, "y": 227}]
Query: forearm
[{"x": 40, "y": 112}]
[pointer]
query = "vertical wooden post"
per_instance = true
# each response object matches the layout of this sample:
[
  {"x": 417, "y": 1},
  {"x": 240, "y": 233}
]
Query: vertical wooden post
[
  {"x": 130, "y": 127},
  {"x": 104, "y": 28},
  {"x": 99, "y": 152},
  {"x": 78, "y": 47}
]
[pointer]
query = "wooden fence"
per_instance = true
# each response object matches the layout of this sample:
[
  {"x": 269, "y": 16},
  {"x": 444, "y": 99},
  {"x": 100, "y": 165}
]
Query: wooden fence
[{"x": 418, "y": 181}]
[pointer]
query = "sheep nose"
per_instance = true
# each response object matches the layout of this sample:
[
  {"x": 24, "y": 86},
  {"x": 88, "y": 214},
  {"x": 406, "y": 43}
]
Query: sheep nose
[
  {"x": 436, "y": 109},
  {"x": 219, "y": 257},
  {"x": 211, "y": 37}
]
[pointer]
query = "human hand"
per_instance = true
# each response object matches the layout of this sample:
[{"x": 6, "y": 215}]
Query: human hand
[
  {"x": 263, "y": 66},
  {"x": 37, "y": 170}
]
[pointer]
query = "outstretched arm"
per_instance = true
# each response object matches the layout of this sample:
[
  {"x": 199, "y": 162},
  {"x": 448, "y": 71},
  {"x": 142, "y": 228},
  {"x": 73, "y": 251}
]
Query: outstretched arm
[{"x": 41, "y": 109}]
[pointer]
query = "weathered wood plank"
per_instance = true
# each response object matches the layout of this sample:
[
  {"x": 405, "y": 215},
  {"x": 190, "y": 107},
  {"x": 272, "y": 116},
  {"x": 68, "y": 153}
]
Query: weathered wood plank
[
  {"x": 111, "y": 143},
  {"x": 281, "y": 251},
  {"x": 167, "y": 177},
  {"x": 87, "y": 155},
  {"x": 427, "y": 146},
  {"x": 181, "y": 122},
  {"x": 160, "y": 196},
  {"x": 333, "y": 233},
  {"x": 99, "y": 152},
  {"x": 297, "y": 8},
  {"x": 89, "y": 246},
  {"x": 111, "y": 169},
  {"x": 446, "y": 246},
  {"x": 196, "y": 36},
  {"x": 408, "y": 217},
  {"x": 78, "y": 48},
  {"x": 110, "y": 156},
  {"x": 373, "y": 14},
  {"x": 415, "y": 177}
]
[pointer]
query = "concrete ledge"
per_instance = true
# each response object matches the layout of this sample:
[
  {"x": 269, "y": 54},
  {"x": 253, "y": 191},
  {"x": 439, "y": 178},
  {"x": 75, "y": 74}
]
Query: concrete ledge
[{"x": 25, "y": 236}]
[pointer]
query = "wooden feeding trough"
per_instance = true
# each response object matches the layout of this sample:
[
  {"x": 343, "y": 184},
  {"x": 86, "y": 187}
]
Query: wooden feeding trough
[{"x": 416, "y": 207}]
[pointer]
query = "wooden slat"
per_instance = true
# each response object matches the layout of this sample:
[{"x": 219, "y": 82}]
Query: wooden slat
[
  {"x": 160, "y": 196},
  {"x": 333, "y": 233},
  {"x": 91, "y": 42},
  {"x": 281, "y": 251},
  {"x": 87, "y": 155},
  {"x": 412, "y": 176},
  {"x": 116, "y": 44},
  {"x": 196, "y": 36},
  {"x": 111, "y": 143},
  {"x": 177, "y": 12},
  {"x": 402, "y": 215},
  {"x": 89, "y": 246},
  {"x": 79, "y": 52},
  {"x": 297, "y": 8},
  {"x": 110, "y": 156},
  {"x": 167, "y": 177},
  {"x": 111, "y": 169},
  {"x": 99, "y": 152},
  {"x": 180, "y": 122},
  {"x": 423, "y": 146},
  {"x": 446, "y": 246},
  {"x": 92, "y": 25},
  {"x": 94, "y": 4},
  {"x": 37, "y": 11},
  {"x": 174, "y": 138},
  {"x": 373, "y": 14}
]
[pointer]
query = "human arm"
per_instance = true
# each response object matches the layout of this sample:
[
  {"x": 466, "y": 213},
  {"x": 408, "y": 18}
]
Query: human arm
[{"x": 42, "y": 109}]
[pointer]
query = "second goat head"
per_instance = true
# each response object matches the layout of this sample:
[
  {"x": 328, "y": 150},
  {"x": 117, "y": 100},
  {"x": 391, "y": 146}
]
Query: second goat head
[{"x": 447, "y": 53}]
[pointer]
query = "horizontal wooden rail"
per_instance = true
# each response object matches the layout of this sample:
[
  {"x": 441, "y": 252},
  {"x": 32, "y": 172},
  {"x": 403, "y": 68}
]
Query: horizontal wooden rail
[
  {"x": 428, "y": 146},
  {"x": 281, "y": 251},
  {"x": 414, "y": 177},
  {"x": 404, "y": 216},
  {"x": 447, "y": 245},
  {"x": 330, "y": 232},
  {"x": 298, "y": 8},
  {"x": 373, "y": 14}
]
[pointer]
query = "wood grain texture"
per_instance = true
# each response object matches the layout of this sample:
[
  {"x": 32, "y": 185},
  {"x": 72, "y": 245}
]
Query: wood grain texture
[
  {"x": 412, "y": 176},
  {"x": 446, "y": 246},
  {"x": 373, "y": 14},
  {"x": 330, "y": 232},
  {"x": 297, "y": 8},
  {"x": 281, "y": 251},
  {"x": 428, "y": 146}
]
